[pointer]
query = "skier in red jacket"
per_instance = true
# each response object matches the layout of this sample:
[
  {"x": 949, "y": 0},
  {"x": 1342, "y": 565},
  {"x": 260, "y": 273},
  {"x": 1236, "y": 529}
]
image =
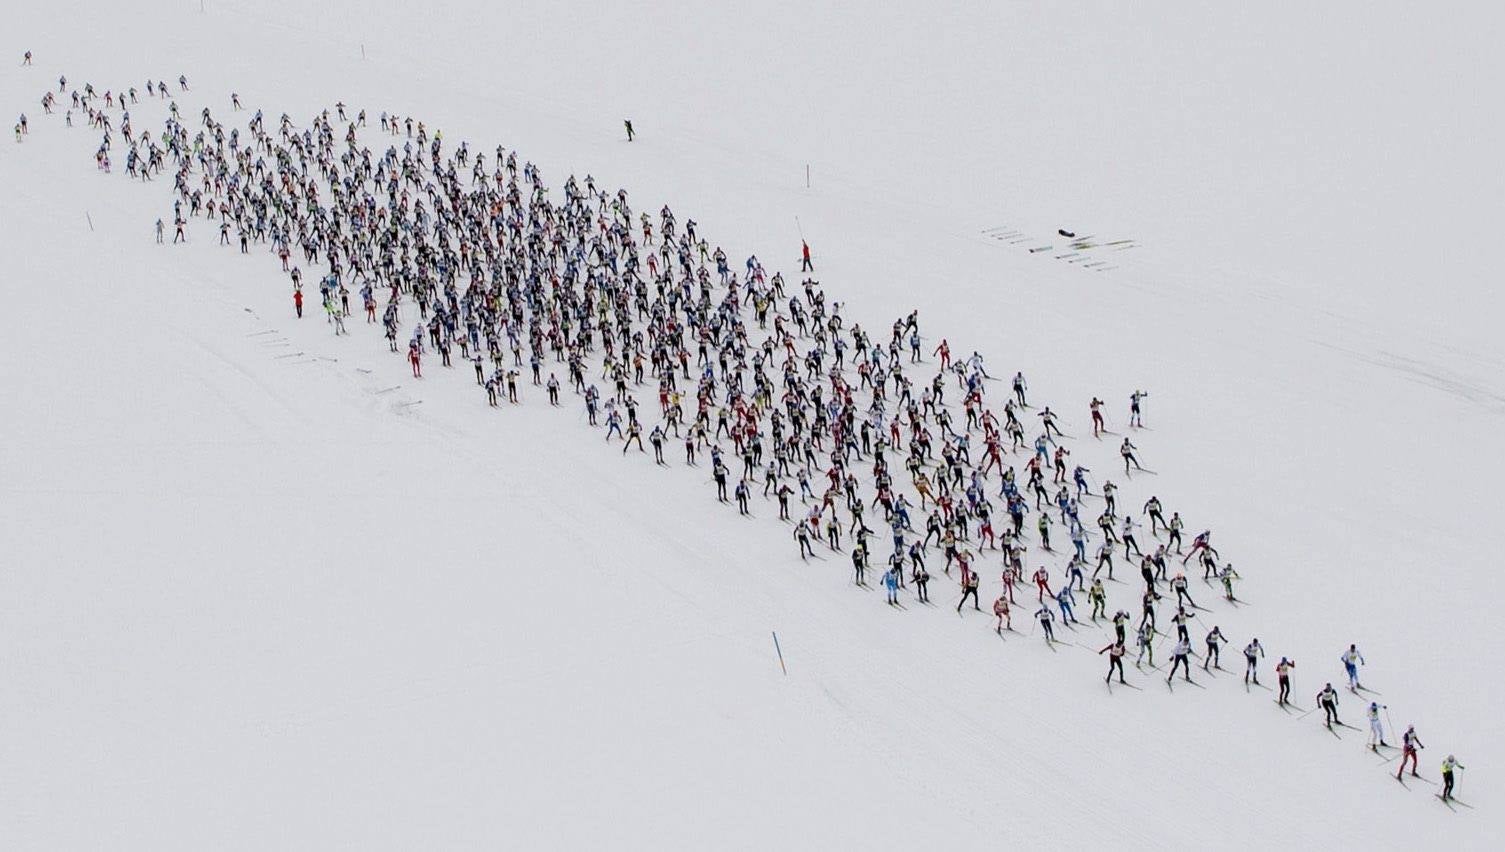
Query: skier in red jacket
[{"x": 1042, "y": 579}]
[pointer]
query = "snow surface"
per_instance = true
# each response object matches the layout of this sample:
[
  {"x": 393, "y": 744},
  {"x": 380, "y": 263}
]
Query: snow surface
[{"x": 254, "y": 598}]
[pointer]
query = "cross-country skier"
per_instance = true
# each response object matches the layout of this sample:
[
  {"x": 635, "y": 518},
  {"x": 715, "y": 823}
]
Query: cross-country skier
[
  {"x": 1376, "y": 730},
  {"x": 1215, "y": 641},
  {"x": 1064, "y": 600},
  {"x": 1001, "y": 610},
  {"x": 1121, "y": 621},
  {"x": 1178, "y": 585},
  {"x": 1180, "y": 656},
  {"x": 1144, "y": 640},
  {"x": 1126, "y": 449},
  {"x": 1447, "y": 777},
  {"x": 969, "y": 587},
  {"x": 1227, "y": 576},
  {"x": 1410, "y": 745},
  {"x": 1044, "y": 615},
  {"x": 1115, "y": 661},
  {"x": 1157, "y": 520},
  {"x": 1252, "y": 652},
  {"x": 1134, "y": 414},
  {"x": 1283, "y": 675},
  {"x": 1352, "y": 659},
  {"x": 802, "y": 535},
  {"x": 891, "y": 583},
  {"x": 1327, "y": 699},
  {"x": 1098, "y": 597}
]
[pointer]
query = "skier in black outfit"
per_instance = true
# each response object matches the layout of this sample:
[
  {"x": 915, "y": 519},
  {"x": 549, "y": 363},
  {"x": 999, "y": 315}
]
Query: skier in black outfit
[
  {"x": 1115, "y": 660},
  {"x": 1328, "y": 699}
]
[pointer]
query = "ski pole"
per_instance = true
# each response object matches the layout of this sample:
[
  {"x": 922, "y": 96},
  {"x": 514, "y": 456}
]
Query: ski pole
[{"x": 780, "y": 652}]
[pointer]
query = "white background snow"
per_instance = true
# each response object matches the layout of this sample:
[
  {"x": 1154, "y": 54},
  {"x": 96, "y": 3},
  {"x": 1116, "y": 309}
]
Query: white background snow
[{"x": 256, "y": 601}]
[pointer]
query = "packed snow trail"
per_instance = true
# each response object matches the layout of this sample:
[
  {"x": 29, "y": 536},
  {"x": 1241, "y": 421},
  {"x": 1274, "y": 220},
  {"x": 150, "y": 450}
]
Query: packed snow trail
[
  {"x": 371, "y": 255},
  {"x": 46, "y": 202}
]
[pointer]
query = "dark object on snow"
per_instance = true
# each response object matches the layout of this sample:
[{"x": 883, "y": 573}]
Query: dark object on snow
[{"x": 1065, "y": 233}]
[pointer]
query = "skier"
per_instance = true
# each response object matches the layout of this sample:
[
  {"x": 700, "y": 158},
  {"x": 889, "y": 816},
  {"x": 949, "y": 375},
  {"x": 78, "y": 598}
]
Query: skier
[
  {"x": 1214, "y": 643},
  {"x": 1180, "y": 619},
  {"x": 1001, "y": 609},
  {"x": 1042, "y": 580},
  {"x": 1376, "y": 730},
  {"x": 1199, "y": 545},
  {"x": 891, "y": 584},
  {"x": 1120, "y": 624},
  {"x": 1044, "y": 615},
  {"x": 921, "y": 578},
  {"x": 1134, "y": 415},
  {"x": 1180, "y": 656},
  {"x": 969, "y": 587},
  {"x": 1410, "y": 745},
  {"x": 628, "y": 123},
  {"x": 1352, "y": 659},
  {"x": 1447, "y": 777},
  {"x": 1126, "y": 449},
  {"x": 1098, "y": 597},
  {"x": 1327, "y": 699},
  {"x": 1115, "y": 661},
  {"x": 1105, "y": 557},
  {"x": 1227, "y": 576},
  {"x": 1157, "y": 520},
  {"x": 1178, "y": 585},
  {"x": 1283, "y": 675},
  {"x": 802, "y": 535},
  {"x": 1064, "y": 601},
  {"x": 1252, "y": 652},
  {"x": 1144, "y": 640},
  {"x": 805, "y": 264}
]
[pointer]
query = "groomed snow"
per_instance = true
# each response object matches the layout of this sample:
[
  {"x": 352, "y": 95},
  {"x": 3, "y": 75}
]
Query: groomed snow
[{"x": 252, "y": 600}]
